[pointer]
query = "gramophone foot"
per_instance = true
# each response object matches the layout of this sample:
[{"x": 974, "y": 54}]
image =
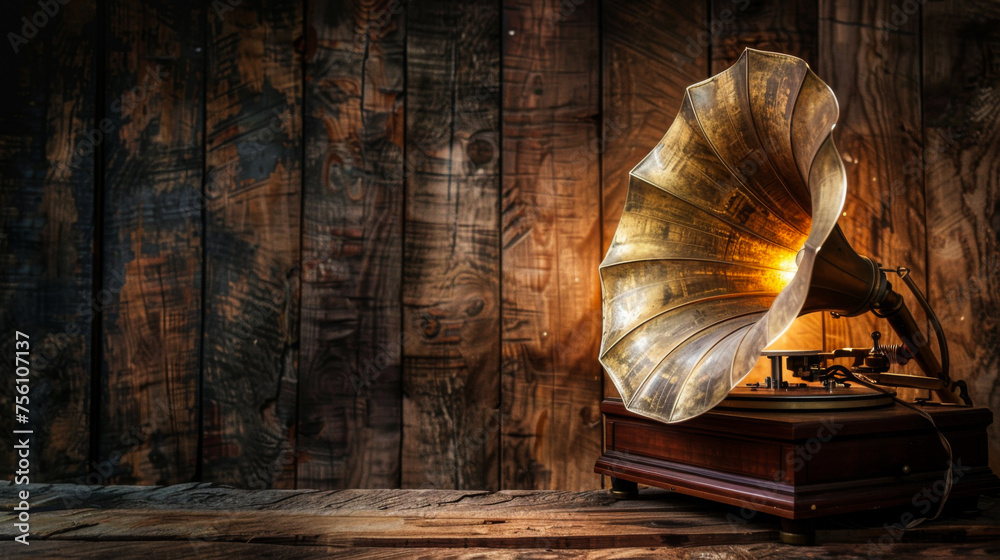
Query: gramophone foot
[
  {"x": 801, "y": 532},
  {"x": 624, "y": 489}
]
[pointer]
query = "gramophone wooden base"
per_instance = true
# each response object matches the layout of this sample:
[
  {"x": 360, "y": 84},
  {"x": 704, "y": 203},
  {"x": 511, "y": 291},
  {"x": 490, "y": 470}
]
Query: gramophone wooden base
[{"x": 803, "y": 465}]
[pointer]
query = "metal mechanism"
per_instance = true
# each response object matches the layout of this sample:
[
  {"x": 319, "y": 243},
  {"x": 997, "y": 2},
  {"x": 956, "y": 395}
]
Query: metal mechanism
[{"x": 729, "y": 233}]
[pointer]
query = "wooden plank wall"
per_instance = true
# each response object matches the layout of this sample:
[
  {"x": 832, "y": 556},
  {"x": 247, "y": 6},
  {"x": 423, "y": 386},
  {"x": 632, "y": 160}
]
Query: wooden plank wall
[
  {"x": 349, "y": 426},
  {"x": 49, "y": 140},
  {"x": 961, "y": 157},
  {"x": 325, "y": 245},
  {"x": 253, "y": 149},
  {"x": 152, "y": 179},
  {"x": 451, "y": 311},
  {"x": 550, "y": 245}
]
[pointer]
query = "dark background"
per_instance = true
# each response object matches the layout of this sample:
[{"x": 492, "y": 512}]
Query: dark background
[{"x": 355, "y": 244}]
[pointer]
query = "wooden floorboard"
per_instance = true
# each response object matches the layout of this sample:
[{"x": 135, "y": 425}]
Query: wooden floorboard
[
  {"x": 211, "y": 550},
  {"x": 209, "y": 521}
]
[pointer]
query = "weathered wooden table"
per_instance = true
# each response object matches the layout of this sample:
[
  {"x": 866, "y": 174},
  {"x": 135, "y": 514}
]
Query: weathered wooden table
[{"x": 208, "y": 521}]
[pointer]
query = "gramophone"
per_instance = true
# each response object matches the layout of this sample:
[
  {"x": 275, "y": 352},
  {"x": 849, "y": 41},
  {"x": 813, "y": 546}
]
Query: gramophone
[{"x": 728, "y": 234}]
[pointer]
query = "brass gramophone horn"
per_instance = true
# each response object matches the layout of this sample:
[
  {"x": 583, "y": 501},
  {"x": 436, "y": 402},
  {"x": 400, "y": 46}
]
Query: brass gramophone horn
[{"x": 729, "y": 232}]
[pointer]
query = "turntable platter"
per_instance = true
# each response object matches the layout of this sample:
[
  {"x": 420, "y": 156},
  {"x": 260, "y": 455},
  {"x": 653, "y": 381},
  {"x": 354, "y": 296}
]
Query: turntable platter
[{"x": 805, "y": 398}]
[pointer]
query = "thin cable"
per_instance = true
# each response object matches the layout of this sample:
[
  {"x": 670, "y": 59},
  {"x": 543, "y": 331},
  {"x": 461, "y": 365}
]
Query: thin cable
[{"x": 949, "y": 473}]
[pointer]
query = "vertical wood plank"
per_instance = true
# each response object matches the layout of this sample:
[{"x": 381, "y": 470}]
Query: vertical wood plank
[
  {"x": 873, "y": 66},
  {"x": 652, "y": 52},
  {"x": 785, "y": 26},
  {"x": 349, "y": 393},
  {"x": 152, "y": 242},
  {"x": 789, "y": 27},
  {"x": 551, "y": 246},
  {"x": 47, "y": 229},
  {"x": 253, "y": 166},
  {"x": 961, "y": 156},
  {"x": 451, "y": 306}
]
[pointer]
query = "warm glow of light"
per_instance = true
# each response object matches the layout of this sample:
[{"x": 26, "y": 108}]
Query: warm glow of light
[
  {"x": 787, "y": 264},
  {"x": 787, "y": 268}
]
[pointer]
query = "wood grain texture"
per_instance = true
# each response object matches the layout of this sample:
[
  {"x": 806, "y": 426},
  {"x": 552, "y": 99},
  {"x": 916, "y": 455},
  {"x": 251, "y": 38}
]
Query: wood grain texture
[
  {"x": 253, "y": 188},
  {"x": 213, "y": 522},
  {"x": 349, "y": 392},
  {"x": 552, "y": 383},
  {"x": 47, "y": 230},
  {"x": 475, "y": 530},
  {"x": 406, "y": 519},
  {"x": 207, "y": 549},
  {"x": 152, "y": 242},
  {"x": 451, "y": 269},
  {"x": 789, "y": 27},
  {"x": 785, "y": 26},
  {"x": 961, "y": 45},
  {"x": 873, "y": 66},
  {"x": 651, "y": 52},
  {"x": 401, "y": 229}
]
